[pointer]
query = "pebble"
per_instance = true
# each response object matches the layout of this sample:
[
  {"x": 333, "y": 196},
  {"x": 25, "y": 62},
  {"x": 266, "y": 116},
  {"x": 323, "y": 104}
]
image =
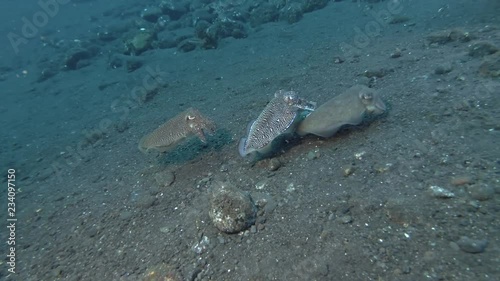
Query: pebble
[
  {"x": 443, "y": 68},
  {"x": 165, "y": 178},
  {"x": 311, "y": 155},
  {"x": 345, "y": 219},
  {"x": 472, "y": 246},
  {"x": 231, "y": 210},
  {"x": 481, "y": 191},
  {"x": 253, "y": 229},
  {"x": 126, "y": 215},
  {"x": 461, "y": 180},
  {"x": 349, "y": 170},
  {"x": 439, "y": 192},
  {"x": 481, "y": 49},
  {"x": 274, "y": 164},
  {"x": 396, "y": 53}
]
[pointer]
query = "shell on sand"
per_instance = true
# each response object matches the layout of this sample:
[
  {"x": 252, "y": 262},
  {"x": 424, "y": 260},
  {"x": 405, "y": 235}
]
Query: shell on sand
[
  {"x": 347, "y": 108},
  {"x": 185, "y": 124}
]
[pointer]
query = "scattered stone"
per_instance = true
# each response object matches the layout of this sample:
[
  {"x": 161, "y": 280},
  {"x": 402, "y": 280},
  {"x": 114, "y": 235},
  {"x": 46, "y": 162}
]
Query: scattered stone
[
  {"x": 133, "y": 65},
  {"x": 491, "y": 66},
  {"x": 461, "y": 180},
  {"x": 274, "y": 164},
  {"x": 106, "y": 36},
  {"x": 446, "y": 36},
  {"x": 145, "y": 201},
  {"x": 440, "y": 192},
  {"x": 165, "y": 229},
  {"x": 383, "y": 168},
  {"x": 140, "y": 42},
  {"x": 162, "y": 271},
  {"x": 291, "y": 13},
  {"x": 253, "y": 229},
  {"x": 378, "y": 73},
  {"x": 151, "y": 14},
  {"x": 313, "y": 154},
  {"x": 166, "y": 40},
  {"x": 482, "y": 49},
  {"x": 481, "y": 191},
  {"x": 443, "y": 68},
  {"x": 126, "y": 215},
  {"x": 313, "y": 5},
  {"x": 46, "y": 74},
  {"x": 349, "y": 170},
  {"x": 122, "y": 125},
  {"x": 165, "y": 178},
  {"x": 472, "y": 246},
  {"x": 77, "y": 58},
  {"x": 174, "y": 8},
  {"x": 396, "y": 53},
  {"x": 345, "y": 219},
  {"x": 396, "y": 19},
  {"x": 231, "y": 210},
  {"x": 189, "y": 45},
  {"x": 263, "y": 14}
]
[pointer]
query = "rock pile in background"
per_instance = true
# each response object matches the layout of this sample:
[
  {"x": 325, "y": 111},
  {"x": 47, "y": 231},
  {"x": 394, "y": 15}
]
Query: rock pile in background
[{"x": 182, "y": 24}]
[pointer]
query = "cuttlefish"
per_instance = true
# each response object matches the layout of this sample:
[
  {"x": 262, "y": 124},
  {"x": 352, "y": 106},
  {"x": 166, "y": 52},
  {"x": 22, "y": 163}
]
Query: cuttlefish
[
  {"x": 348, "y": 108},
  {"x": 188, "y": 123},
  {"x": 277, "y": 119}
]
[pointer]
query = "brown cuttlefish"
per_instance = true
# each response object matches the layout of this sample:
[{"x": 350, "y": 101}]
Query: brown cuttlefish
[
  {"x": 348, "y": 108},
  {"x": 188, "y": 123}
]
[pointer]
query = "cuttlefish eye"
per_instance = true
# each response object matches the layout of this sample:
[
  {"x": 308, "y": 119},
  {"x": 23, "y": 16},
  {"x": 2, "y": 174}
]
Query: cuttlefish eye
[
  {"x": 366, "y": 96},
  {"x": 290, "y": 99}
]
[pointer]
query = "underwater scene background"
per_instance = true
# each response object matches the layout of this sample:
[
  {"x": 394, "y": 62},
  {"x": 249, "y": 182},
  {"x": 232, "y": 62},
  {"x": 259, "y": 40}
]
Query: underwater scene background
[{"x": 250, "y": 140}]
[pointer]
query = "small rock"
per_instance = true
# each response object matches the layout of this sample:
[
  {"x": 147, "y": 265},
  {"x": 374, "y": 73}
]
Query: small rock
[
  {"x": 311, "y": 155},
  {"x": 139, "y": 43},
  {"x": 396, "y": 19},
  {"x": 274, "y": 164},
  {"x": 174, "y": 8},
  {"x": 126, "y": 215},
  {"x": 291, "y": 13},
  {"x": 345, "y": 219},
  {"x": 443, "y": 68},
  {"x": 440, "y": 192},
  {"x": 189, "y": 45},
  {"x": 461, "y": 180},
  {"x": 349, "y": 170},
  {"x": 396, "y": 53},
  {"x": 377, "y": 73},
  {"x": 481, "y": 191},
  {"x": 490, "y": 67},
  {"x": 145, "y": 201},
  {"x": 446, "y": 36},
  {"x": 231, "y": 210},
  {"x": 481, "y": 49},
  {"x": 151, "y": 14},
  {"x": 253, "y": 229},
  {"x": 472, "y": 246},
  {"x": 165, "y": 178}
]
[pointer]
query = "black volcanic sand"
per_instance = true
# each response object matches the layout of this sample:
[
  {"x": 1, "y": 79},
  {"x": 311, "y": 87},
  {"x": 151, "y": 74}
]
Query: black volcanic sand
[{"x": 369, "y": 203}]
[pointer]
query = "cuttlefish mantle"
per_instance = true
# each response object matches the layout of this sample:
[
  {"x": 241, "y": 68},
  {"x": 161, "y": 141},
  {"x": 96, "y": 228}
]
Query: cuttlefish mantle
[{"x": 348, "y": 108}]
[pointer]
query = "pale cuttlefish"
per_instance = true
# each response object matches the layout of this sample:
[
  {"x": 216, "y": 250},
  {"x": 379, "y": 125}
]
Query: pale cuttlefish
[
  {"x": 277, "y": 119},
  {"x": 348, "y": 108},
  {"x": 188, "y": 123}
]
